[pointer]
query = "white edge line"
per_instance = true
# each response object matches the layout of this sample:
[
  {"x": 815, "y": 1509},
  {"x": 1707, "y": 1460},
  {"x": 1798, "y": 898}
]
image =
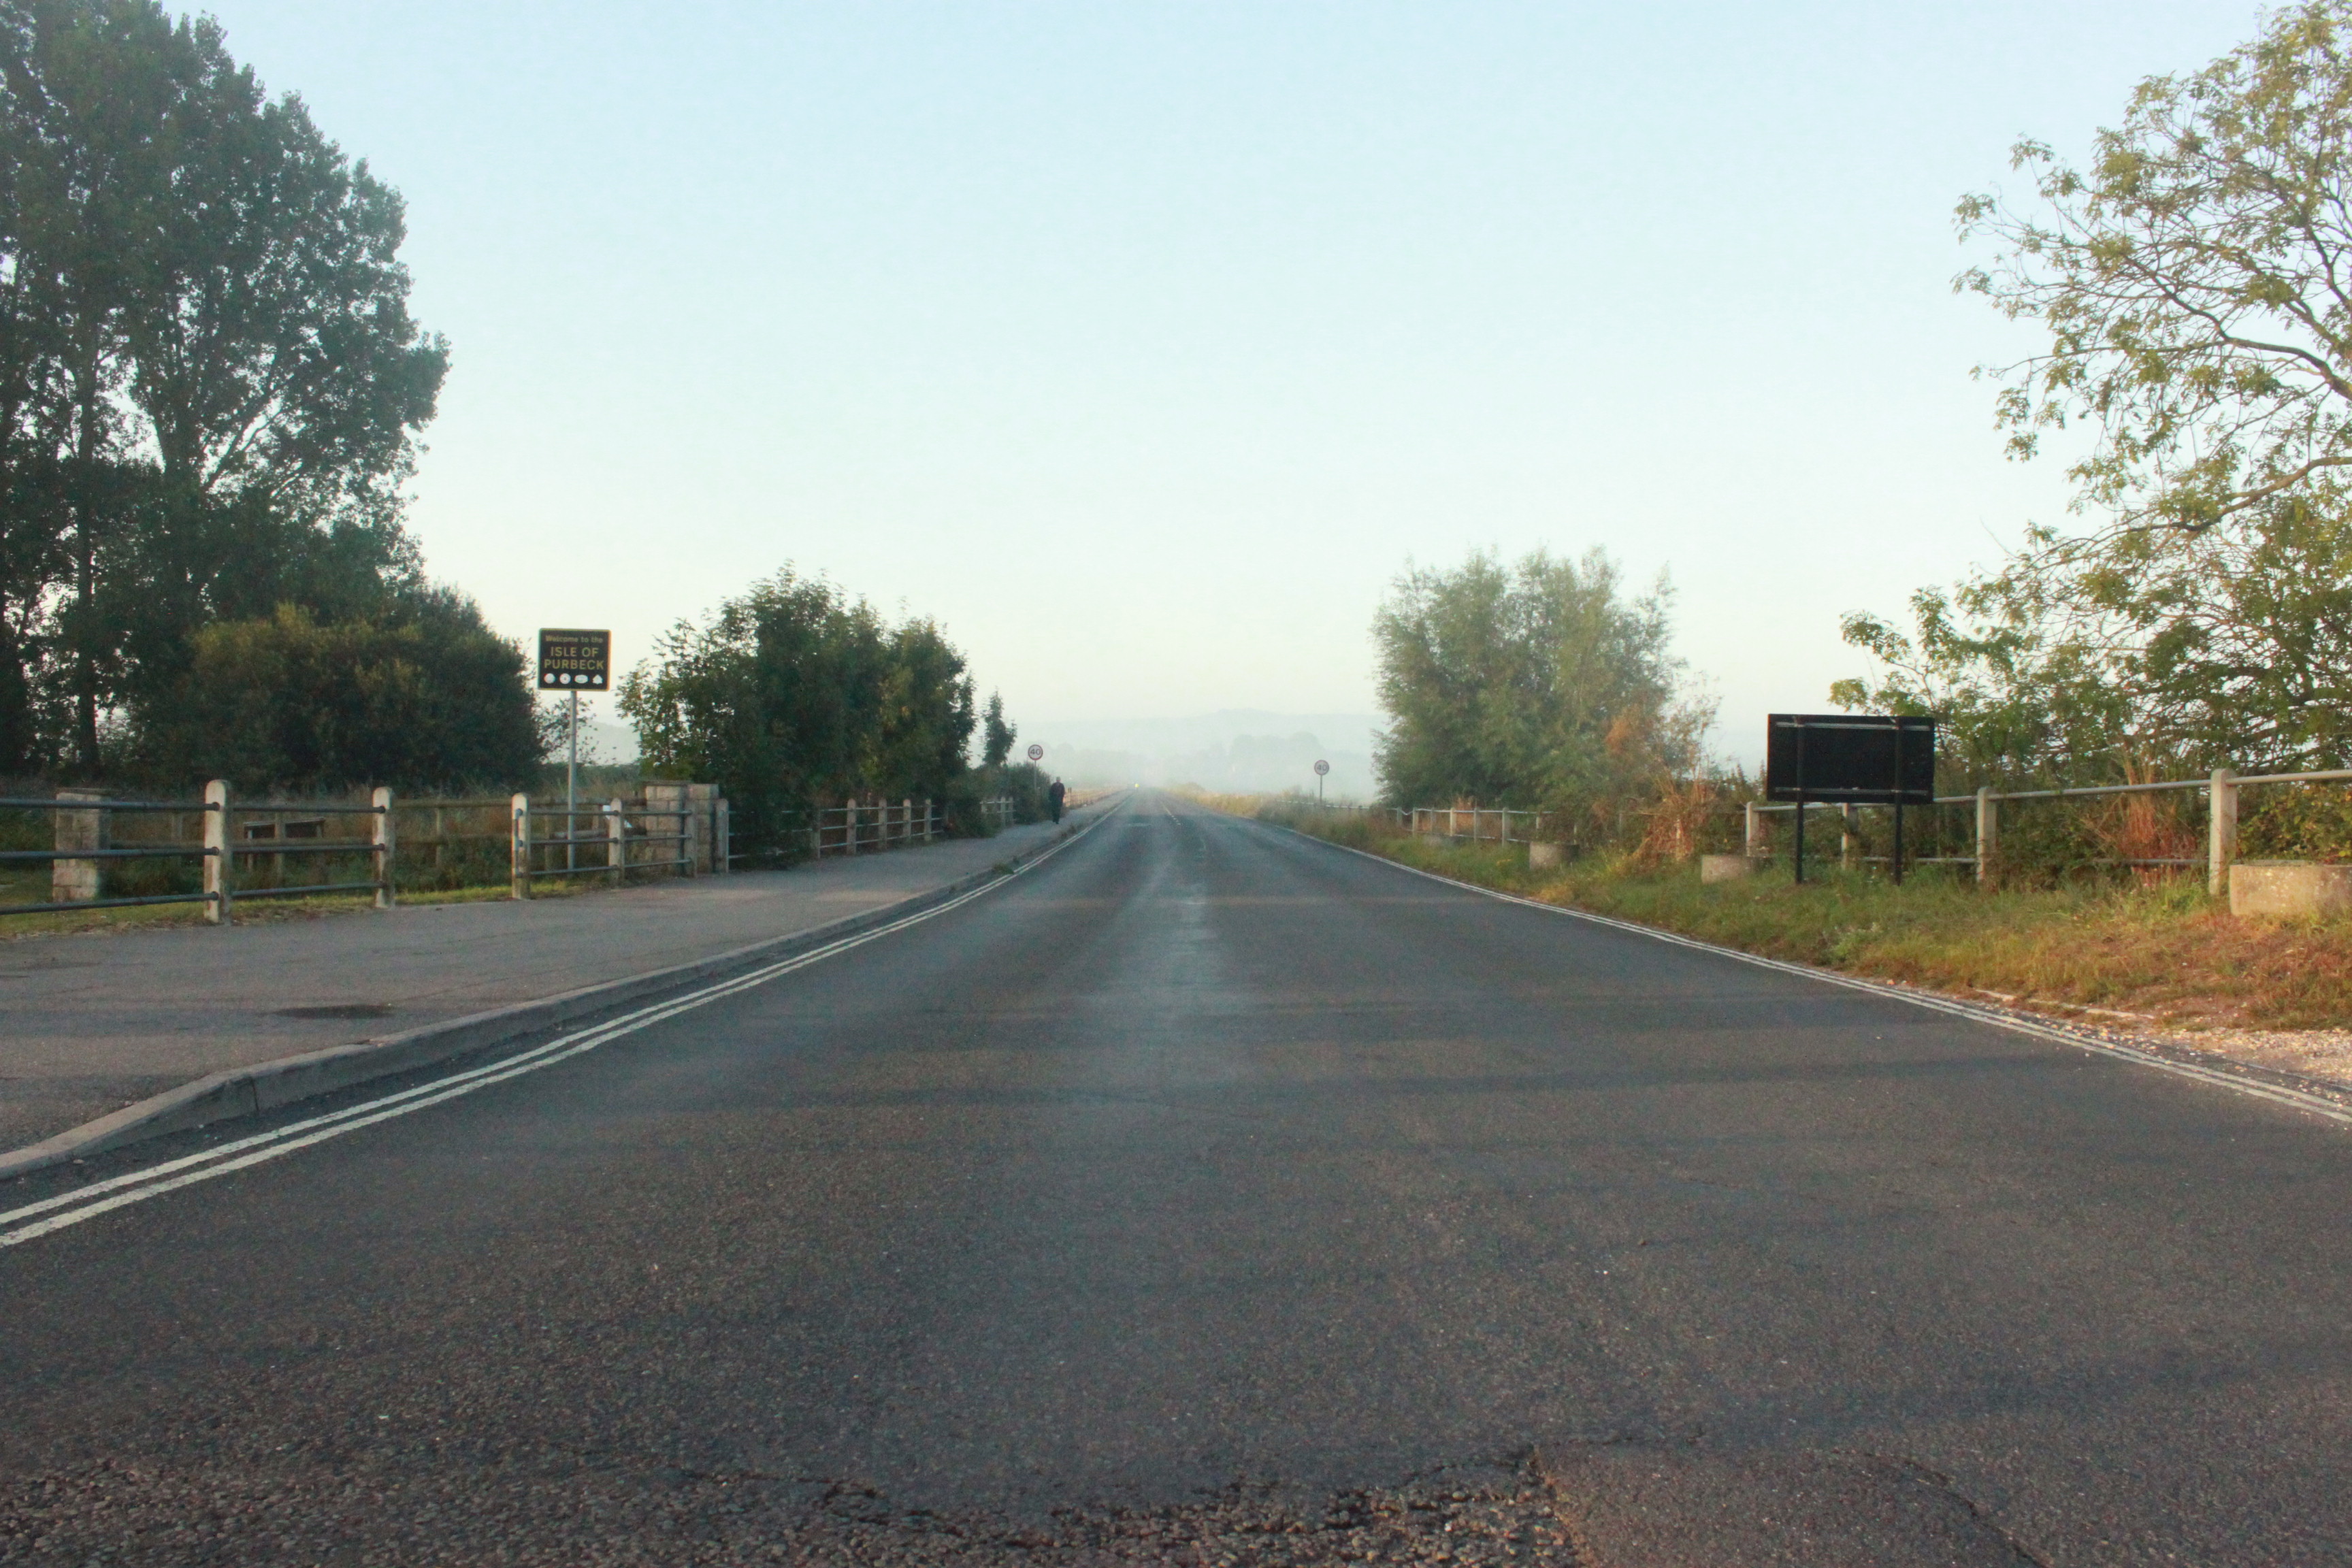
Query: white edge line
[
  {"x": 2297, "y": 1098},
  {"x": 137, "y": 1187}
]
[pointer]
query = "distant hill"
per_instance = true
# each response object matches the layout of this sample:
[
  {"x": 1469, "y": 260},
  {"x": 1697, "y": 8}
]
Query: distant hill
[{"x": 1240, "y": 750}]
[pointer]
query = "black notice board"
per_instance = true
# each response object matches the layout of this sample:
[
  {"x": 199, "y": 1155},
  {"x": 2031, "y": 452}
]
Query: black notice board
[
  {"x": 575, "y": 660},
  {"x": 1868, "y": 759}
]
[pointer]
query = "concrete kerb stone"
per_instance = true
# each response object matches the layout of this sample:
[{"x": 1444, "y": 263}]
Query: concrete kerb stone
[{"x": 268, "y": 1086}]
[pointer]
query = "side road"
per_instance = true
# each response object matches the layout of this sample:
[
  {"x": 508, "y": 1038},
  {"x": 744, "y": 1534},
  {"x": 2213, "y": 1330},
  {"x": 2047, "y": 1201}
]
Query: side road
[{"x": 92, "y": 1024}]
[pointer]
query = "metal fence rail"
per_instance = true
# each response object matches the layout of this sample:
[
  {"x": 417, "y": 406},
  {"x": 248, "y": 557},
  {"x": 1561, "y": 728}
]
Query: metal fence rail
[
  {"x": 80, "y": 861},
  {"x": 81, "y": 829},
  {"x": 2222, "y": 788},
  {"x": 621, "y": 829},
  {"x": 660, "y": 837}
]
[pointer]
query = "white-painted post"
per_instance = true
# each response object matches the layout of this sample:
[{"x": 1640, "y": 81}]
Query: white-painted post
[
  {"x": 1754, "y": 825},
  {"x": 849, "y": 827},
  {"x": 906, "y": 820},
  {"x": 386, "y": 847},
  {"x": 616, "y": 840},
  {"x": 1987, "y": 839},
  {"x": 2222, "y": 834},
  {"x": 723, "y": 834},
  {"x": 220, "y": 859},
  {"x": 519, "y": 847},
  {"x": 1849, "y": 843}
]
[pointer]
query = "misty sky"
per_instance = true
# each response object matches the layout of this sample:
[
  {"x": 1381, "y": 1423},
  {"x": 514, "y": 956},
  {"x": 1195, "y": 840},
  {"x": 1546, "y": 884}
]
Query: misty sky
[{"x": 1143, "y": 343}]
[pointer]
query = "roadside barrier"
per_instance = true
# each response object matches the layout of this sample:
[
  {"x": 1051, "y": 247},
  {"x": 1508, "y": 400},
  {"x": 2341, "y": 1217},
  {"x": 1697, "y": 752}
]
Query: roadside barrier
[
  {"x": 618, "y": 828},
  {"x": 863, "y": 827},
  {"x": 83, "y": 845},
  {"x": 110, "y": 853},
  {"x": 105, "y": 852},
  {"x": 2221, "y": 791},
  {"x": 2221, "y": 787}
]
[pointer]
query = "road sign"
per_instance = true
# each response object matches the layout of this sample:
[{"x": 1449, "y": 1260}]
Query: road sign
[
  {"x": 1036, "y": 753},
  {"x": 1850, "y": 759},
  {"x": 1862, "y": 759},
  {"x": 1321, "y": 767},
  {"x": 573, "y": 660}
]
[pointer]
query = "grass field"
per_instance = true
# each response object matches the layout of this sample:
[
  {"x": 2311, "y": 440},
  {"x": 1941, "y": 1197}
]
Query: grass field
[{"x": 2121, "y": 954}]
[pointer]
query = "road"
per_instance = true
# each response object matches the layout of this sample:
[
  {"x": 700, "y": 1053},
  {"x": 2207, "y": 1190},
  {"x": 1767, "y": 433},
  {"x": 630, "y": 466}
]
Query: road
[{"x": 1206, "y": 1194}]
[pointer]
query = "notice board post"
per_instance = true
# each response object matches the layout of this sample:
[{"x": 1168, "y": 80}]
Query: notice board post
[
  {"x": 574, "y": 661},
  {"x": 1850, "y": 759}
]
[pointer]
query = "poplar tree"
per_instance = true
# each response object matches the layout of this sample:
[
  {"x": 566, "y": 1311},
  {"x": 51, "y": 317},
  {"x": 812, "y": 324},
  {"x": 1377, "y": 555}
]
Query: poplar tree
[{"x": 207, "y": 367}]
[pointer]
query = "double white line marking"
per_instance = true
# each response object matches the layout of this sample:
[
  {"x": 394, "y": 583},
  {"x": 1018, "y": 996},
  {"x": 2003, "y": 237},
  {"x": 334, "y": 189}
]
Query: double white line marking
[{"x": 39, "y": 1219}]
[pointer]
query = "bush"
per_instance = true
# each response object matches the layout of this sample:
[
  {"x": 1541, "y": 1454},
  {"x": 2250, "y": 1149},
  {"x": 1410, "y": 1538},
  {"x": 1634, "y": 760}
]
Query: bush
[{"x": 423, "y": 696}]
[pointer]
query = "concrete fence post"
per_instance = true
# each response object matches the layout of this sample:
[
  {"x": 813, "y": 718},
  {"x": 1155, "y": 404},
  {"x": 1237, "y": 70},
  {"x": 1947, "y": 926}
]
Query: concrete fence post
[
  {"x": 1988, "y": 837},
  {"x": 76, "y": 881},
  {"x": 929, "y": 811},
  {"x": 699, "y": 824},
  {"x": 1752, "y": 828},
  {"x": 220, "y": 855},
  {"x": 386, "y": 847},
  {"x": 849, "y": 827},
  {"x": 906, "y": 820},
  {"x": 2221, "y": 833},
  {"x": 1849, "y": 841},
  {"x": 616, "y": 840},
  {"x": 723, "y": 838},
  {"x": 519, "y": 845}
]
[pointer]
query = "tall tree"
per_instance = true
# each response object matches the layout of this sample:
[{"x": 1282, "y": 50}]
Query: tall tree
[
  {"x": 2192, "y": 284},
  {"x": 274, "y": 360},
  {"x": 996, "y": 736},
  {"x": 88, "y": 127},
  {"x": 213, "y": 323}
]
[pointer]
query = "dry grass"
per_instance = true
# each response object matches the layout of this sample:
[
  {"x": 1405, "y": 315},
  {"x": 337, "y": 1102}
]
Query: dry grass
[
  {"x": 1231, "y": 805},
  {"x": 2159, "y": 955}
]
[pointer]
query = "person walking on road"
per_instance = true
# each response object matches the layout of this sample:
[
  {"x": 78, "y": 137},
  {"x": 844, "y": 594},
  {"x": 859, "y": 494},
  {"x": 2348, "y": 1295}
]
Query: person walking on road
[{"x": 1054, "y": 798}]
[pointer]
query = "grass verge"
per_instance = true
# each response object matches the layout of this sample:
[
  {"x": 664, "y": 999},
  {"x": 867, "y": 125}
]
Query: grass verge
[{"x": 2163, "y": 955}]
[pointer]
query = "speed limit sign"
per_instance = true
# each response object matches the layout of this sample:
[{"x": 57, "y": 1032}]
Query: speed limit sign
[{"x": 1036, "y": 753}]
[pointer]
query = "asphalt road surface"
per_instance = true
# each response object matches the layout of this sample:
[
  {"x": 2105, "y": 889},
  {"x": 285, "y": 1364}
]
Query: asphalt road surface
[{"x": 1207, "y": 1194}]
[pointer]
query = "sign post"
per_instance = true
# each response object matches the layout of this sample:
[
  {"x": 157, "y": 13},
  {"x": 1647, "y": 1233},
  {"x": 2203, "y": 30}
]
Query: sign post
[
  {"x": 574, "y": 661},
  {"x": 1850, "y": 759},
  {"x": 1322, "y": 769}
]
